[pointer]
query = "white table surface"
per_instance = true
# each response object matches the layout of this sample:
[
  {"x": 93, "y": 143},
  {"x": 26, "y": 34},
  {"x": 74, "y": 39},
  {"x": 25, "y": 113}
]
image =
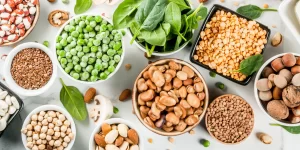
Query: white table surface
[{"x": 123, "y": 79}]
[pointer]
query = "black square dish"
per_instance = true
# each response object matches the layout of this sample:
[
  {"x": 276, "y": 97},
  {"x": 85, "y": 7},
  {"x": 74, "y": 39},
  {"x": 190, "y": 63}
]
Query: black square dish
[
  {"x": 11, "y": 117},
  {"x": 213, "y": 10}
]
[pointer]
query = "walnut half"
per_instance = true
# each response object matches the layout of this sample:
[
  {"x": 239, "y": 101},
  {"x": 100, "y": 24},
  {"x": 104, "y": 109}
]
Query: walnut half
[{"x": 58, "y": 17}]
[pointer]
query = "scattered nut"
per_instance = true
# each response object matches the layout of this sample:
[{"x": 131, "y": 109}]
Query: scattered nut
[
  {"x": 265, "y": 138},
  {"x": 58, "y": 17},
  {"x": 128, "y": 67},
  {"x": 150, "y": 140},
  {"x": 266, "y": 6},
  {"x": 276, "y": 40},
  {"x": 89, "y": 95},
  {"x": 51, "y": 1},
  {"x": 171, "y": 140},
  {"x": 125, "y": 95}
]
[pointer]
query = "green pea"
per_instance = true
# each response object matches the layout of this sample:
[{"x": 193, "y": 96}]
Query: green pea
[
  {"x": 83, "y": 17},
  {"x": 104, "y": 47},
  {"x": 72, "y": 44},
  {"x": 117, "y": 58},
  {"x": 82, "y": 24},
  {"x": 93, "y": 24},
  {"x": 81, "y": 36},
  {"x": 86, "y": 36},
  {"x": 103, "y": 76},
  {"x": 98, "y": 66},
  {"x": 68, "y": 69},
  {"x": 59, "y": 38},
  {"x": 99, "y": 49},
  {"x": 87, "y": 22},
  {"x": 75, "y": 63},
  {"x": 93, "y": 78},
  {"x": 80, "y": 54},
  {"x": 89, "y": 28},
  {"x": 85, "y": 58},
  {"x": 58, "y": 46},
  {"x": 95, "y": 72},
  {"x": 92, "y": 54},
  {"x": 75, "y": 58},
  {"x": 117, "y": 45},
  {"x": 89, "y": 68},
  {"x": 105, "y": 58},
  {"x": 94, "y": 49},
  {"x": 112, "y": 62},
  {"x": 63, "y": 61},
  {"x": 110, "y": 27},
  {"x": 67, "y": 48},
  {"x": 107, "y": 72},
  {"x": 73, "y": 52},
  {"x": 70, "y": 65},
  {"x": 111, "y": 69},
  {"x": 46, "y": 43},
  {"x": 85, "y": 30},
  {"x": 80, "y": 42},
  {"x": 78, "y": 48},
  {"x": 69, "y": 39},
  {"x": 62, "y": 53},
  {"x": 75, "y": 76},
  {"x": 64, "y": 35},
  {"x": 123, "y": 32},
  {"x": 77, "y": 68},
  {"x": 65, "y": 1},
  {"x": 66, "y": 28},
  {"x": 69, "y": 55},
  {"x": 103, "y": 27},
  {"x": 75, "y": 34},
  {"x": 98, "y": 19},
  {"x": 205, "y": 143},
  {"x": 69, "y": 60},
  {"x": 90, "y": 18},
  {"x": 118, "y": 37},
  {"x": 90, "y": 44},
  {"x": 85, "y": 76},
  {"x": 63, "y": 42},
  {"x": 63, "y": 65},
  {"x": 99, "y": 54},
  {"x": 105, "y": 64},
  {"x": 72, "y": 72},
  {"x": 113, "y": 32},
  {"x": 111, "y": 52},
  {"x": 111, "y": 44},
  {"x": 86, "y": 49},
  {"x": 72, "y": 22},
  {"x": 91, "y": 60},
  {"x": 96, "y": 42},
  {"x": 106, "y": 40},
  {"x": 111, "y": 37},
  {"x": 83, "y": 64},
  {"x": 97, "y": 28},
  {"x": 72, "y": 28},
  {"x": 120, "y": 52},
  {"x": 92, "y": 34},
  {"x": 59, "y": 58},
  {"x": 104, "y": 22},
  {"x": 98, "y": 61}
]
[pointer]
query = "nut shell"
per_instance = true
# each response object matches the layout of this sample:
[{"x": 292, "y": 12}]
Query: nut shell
[
  {"x": 277, "y": 64},
  {"x": 289, "y": 60},
  {"x": 64, "y": 17},
  {"x": 277, "y": 109}
]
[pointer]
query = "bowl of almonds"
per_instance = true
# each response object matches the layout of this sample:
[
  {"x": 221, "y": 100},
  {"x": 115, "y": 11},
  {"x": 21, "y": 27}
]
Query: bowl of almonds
[
  {"x": 116, "y": 133},
  {"x": 170, "y": 97}
]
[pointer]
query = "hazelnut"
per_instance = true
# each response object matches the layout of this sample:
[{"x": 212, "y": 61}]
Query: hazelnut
[
  {"x": 298, "y": 61},
  {"x": 265, "y": 95},
  {"x": 295, "y": 70},
  {"x": 267, "y": 71},
  {"x": 277, "y": 109},
  {"x": 277, "y": 93},
  {"x": 263, "y": 84},
  {"x": 296, "y": 80},
  {"x": 286, "y": 74},
  {"x": 289, "y": 60},
  {"x": 280, "y": 81},
  {"x": 277, "y": 64}
]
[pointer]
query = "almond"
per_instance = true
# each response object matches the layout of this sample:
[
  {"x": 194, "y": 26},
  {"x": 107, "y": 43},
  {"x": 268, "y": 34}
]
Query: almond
[
  {"x": 119, "y": 141},
  {"x": 100, "y": 140},
  {"x": 105, "y": 128},
  {"x": 125, "y": 94},
  {"x": 89, "y": 95},
  {"x": 133, "y": 136},
  {"x": 276, "y": 40}
]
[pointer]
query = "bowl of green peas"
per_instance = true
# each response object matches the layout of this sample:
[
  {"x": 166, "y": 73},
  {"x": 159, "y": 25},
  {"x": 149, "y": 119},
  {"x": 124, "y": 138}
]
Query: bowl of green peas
[{"x": 88, "y": 49}]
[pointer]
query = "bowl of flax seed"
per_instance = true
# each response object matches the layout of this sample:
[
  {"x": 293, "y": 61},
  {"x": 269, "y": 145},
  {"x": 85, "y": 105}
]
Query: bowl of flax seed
[{"x": 30, "y": 69}]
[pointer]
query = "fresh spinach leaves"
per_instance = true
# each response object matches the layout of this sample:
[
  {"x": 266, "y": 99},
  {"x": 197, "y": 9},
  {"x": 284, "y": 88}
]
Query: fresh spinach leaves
[
  {"x": 293, "y": 130},
  {"x": 251, "y": 64},
  {"x": 73, "y": 101},
  {"x": 156, "y": 37},
  {"x": 252, "y": 11},
  {"x": 82, "y": 6},
  {"x": 181, "y": 4}
]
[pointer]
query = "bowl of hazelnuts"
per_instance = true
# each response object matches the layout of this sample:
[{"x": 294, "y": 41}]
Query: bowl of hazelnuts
[
  {"x": 170, "y": 97},
  {"x": 277, "y": 88}
]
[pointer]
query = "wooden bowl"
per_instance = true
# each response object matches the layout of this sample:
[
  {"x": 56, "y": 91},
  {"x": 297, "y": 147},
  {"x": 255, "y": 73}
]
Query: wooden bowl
[
  {"x": 206, "y": 116},
  {"x": 135, "y": 95},
  {"x": 37, "y": 14}
]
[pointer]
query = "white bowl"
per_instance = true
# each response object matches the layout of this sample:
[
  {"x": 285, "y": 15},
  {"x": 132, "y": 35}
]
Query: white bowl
[
  {"x": 46, "y": 108},
  {"x": 259, "y": 102},
  {"x": 86, "y": 82},
  {"x": 11, "y": 82},
  {"x": 288, "y": 15},
  {"x": 92, "y": 144}
]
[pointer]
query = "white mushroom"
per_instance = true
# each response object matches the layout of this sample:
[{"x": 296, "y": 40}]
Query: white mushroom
[{"x": 105, "y": 107}]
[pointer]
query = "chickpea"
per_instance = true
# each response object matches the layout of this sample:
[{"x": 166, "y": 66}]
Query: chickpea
[
  {"x": 48, "y": 138},
  {"x": 42, "y": 136},
  {"x": 29, "y": 145},
  {"x": 29, "y": 133},
  {"x": 49, "y": 119},
  {"x": 29, "y": 127},
  {"x": 34, "y": 117},
  {"x": 44, "y": 129},
  {"x": 29, "y": 139},
  {"x": 35, "y": 136},
  {"x": 62, "y": 117},
  {"x": 67, "y": 139},
  {"x": 51, "y": 143},
  {"x": 37, "y": 128},
  {"x": 62, "y": 134},
  {"x": 50, "y": 125},
  {"x": 50, "y": 132},
  {"x": 42, "y": 113},
  {"x": 57, "y": 143},
  {"x": 45, "y": 122},
  {"x": 52, "y": 114},
  {"x": 69, "y": 131},
  {"x": 59, "y": 123},
  {"x": 57, "y": 134},
  {"x": 56, "y": 129},
  {"x": 67, "y": 123},
  {"x": 46, "y": 116},
  {"x": 42, "y": 146},
  {"x": 71, "y": 135},
  {"x": 44, "y": 141},
  {"x": 60, "y": 148},
  {"x": 39, "y": 141},
  {"x": 35, "y": 148},
  {"x": 65, "y": 144}
]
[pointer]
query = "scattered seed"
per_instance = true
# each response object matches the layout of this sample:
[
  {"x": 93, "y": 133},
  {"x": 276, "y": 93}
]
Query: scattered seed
[
  {"x": 192, "y": 132},
  {"x": 171, "y": 140},
  {"x": 150, "y": 140},
  {"x": 274, "y": 26},
  {"x": 220, "y": 85},
  {"x": 128, "y": 67},
  {"x": 236, "y": 3},
  {"x": 46, "y": 43},
  {"x": 212, "y": 74},
  {"x": 266, "y": 6},
  {"x": 205, "y": 143},
  {"x": 222, "y": 1}
]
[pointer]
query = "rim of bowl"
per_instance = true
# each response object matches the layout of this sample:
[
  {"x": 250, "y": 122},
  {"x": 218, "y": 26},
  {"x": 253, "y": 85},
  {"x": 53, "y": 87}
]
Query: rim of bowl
[
  {"x": 11, "y": 82},
  {"x": 36, "y": 18},
  {"x": 115, "y": 121},
  {"x": 46, "y": 108},
  {"x": 206, "y": 116},
  {"x": 258, "y": 101},
  {"x": 166, "y": 53},
  {"x": 160, "y": 131},
  {"x": 86, "y": 82}
]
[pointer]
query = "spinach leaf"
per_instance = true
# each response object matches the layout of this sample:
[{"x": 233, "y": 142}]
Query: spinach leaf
[
  {"x": 167, "y": 28},
  {"x": 202, "y": 12},
  {"x": 82, "y": 6},
  {"x": 150, "y": 51},
  {"x": 156, "y": 37},
  {"x": 193, "y": 17},
  {"x": 251, "y": 64},
  {"x": 181, "y": 4},
  {"x": 151, "y": 13},
  {"x": 178, "y": 41},
  {"x": 124, "y": 14},
  {"x": 173, "y": 17},
  {"x": 73, "y": 101},
  {"x": 293, "y": 130},
  {"x": 252, "y": 11}
]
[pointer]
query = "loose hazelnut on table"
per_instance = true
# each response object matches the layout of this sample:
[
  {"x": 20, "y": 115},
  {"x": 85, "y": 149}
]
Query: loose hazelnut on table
[{"x": 278, "y": 109}]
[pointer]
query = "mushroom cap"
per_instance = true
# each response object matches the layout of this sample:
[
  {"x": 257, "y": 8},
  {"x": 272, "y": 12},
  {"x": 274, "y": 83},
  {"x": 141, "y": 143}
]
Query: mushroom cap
[{"x": 277, "y": 109}]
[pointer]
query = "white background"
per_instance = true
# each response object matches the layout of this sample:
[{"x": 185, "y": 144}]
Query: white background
[{"x": 123, "y": 79}]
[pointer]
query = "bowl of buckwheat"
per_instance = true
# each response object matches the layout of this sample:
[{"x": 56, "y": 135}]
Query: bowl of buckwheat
[
  {"x": 229, "y": 119},
  {"x": 227, "y": 42},
  {"x": 30, "y": 69},
  {"x": 170, "y": 97},
  {"x": 48, "y": 127}
]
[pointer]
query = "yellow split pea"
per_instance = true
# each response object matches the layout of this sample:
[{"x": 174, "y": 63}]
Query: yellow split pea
[{"x": 226, "y": 41}]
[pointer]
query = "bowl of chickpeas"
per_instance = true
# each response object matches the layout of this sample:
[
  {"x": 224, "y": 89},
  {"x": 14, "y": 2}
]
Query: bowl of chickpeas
[
  {"x": 48, "y": 127},
  {"x": 89, "y": 50}
]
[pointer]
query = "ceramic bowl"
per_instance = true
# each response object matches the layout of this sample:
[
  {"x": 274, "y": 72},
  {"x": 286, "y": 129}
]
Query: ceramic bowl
[
  {"x": 260, "y": 103},
  {"x": 47, "y": 108},
  {"x": 206, "y": 123},
  {"x": 86, "y": 82},
  {"x": 11, "y": 82},
  {"x": 92, "y": 144},
  {"x": 135, "y": 98},
  {"x": 30, "y": 29}
]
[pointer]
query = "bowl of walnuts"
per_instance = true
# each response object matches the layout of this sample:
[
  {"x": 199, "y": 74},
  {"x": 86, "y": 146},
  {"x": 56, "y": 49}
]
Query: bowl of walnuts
[{"x": 170, "y": 97}]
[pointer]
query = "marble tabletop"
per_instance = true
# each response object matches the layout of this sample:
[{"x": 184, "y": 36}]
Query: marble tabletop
[{"x": 282, "y": 140}]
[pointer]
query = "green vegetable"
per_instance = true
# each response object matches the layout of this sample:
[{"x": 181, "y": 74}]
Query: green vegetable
[
  {"x": 124, "y": 14},
  {"x": 293, "y": 130},
  {"x": 116, "y": 110},
  {"x": 251, "y": 64},
  {"x": 220, "y": 85},
  {"x": 73, "y": 101},
  {"x": 205, "y": 143},
  {"x": 212, "y": 74},
  {"x": 173, "y": 17},
  {"x": 156, "y": 37},
  {"x": 193, "y": 18},
  {"x": 181, "y": 4},
  {"x": 46, "y": 43},
  {"x": 252, "y": 11},
  {"x": 65, "y": 1},
  {"x": 82, "y": 6}
]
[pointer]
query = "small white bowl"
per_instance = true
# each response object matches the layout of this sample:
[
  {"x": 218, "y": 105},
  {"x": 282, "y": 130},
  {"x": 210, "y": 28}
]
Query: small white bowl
[
  {"x": 85, "y": 82},
  {"x": 46, "y": 108},
  {"x": 92, "y": 144},
  {"x": 259, "y": 102},
  {"x": 11, "y": 82}
]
